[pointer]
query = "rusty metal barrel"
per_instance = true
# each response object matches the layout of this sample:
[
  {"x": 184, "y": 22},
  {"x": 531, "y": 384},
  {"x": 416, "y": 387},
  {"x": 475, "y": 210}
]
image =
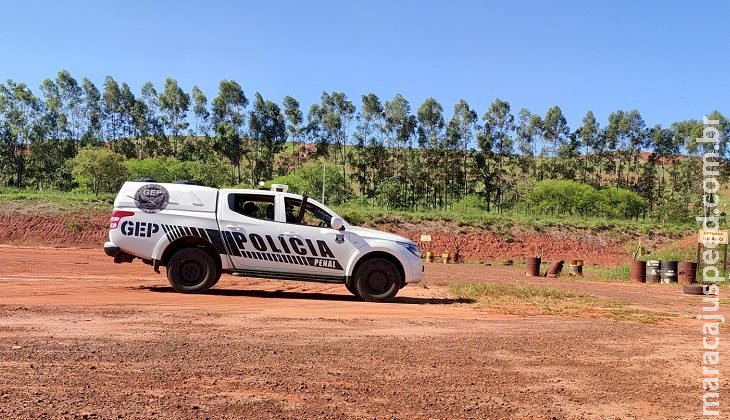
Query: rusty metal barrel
[
  {"x": 687, "y": 272},
  {"x": 555, "y": 269},
  {"x": 668, "y": 272},
  {"x": 533, "y": 266},
  {"x": 576, "y": 268},
  {"x": 652, "y": 271},
  {"x": 638, "y": 271}
]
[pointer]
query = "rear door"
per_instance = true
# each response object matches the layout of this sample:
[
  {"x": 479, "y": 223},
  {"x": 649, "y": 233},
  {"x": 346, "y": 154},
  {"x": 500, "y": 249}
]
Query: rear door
[{"x": 246, "y": 220}]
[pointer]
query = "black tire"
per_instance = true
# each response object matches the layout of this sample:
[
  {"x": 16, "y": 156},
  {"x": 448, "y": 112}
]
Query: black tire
[
  {"x": 191, "y": 270},
  {"x": 352, "y": 289},
  {"x": 377, "y": 280},
  {"x": 693, "y": 289},
  {"x": 217, "y": 278}
]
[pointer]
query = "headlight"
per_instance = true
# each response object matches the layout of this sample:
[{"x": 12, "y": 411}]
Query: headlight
[{"x": 411, "y": 247}]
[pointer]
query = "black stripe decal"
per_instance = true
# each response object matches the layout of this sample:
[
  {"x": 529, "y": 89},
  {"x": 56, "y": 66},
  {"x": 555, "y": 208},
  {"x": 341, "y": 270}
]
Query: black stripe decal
[
  {"x": 201, "y": 233},
  {"x": 231, "y": 244},
  {"x": 217, "y": 240},
  {"x": 167, "y": 232}
]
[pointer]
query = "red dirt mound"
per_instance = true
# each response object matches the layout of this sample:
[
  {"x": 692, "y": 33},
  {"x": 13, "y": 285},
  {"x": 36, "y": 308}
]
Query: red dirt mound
[
  {"x": 76, "y": 229},
  {"x": 480, "y": 245}
]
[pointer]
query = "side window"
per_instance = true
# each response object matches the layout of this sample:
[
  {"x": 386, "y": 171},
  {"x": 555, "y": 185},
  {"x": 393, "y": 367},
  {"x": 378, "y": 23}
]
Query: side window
[
  {"x": 258, "y": 206},
  {"x": 313, "y": 215}
]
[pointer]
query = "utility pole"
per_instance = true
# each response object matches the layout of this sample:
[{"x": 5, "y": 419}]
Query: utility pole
[{"x": 324, "y": 171}]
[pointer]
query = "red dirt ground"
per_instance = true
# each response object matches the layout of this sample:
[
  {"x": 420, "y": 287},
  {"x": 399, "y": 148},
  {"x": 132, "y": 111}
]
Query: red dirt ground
[{"x": 81, "y": 337}]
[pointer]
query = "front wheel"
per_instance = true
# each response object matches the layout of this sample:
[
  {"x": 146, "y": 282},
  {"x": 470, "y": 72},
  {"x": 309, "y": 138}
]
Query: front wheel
[
  {"x": 191, "y": 270},
  {"x": 352, "y": 288},
  {"x": 377, "y": 280}
]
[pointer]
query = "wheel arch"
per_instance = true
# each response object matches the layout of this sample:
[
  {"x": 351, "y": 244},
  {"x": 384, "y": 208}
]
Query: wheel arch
[
  {"x": 378, "y": 254},
  {"x": 191, "y": 242}
]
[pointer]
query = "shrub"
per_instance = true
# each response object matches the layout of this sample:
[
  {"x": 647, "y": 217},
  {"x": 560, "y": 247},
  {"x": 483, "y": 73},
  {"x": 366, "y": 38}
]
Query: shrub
[
  {"x": 308, "y": 179},
  {"x": 574, "y": 198},
  {"x": 99, "y": 168}
]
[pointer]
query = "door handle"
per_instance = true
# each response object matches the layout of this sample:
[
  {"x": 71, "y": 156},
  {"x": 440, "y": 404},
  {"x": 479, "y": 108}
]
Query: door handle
[
  {"x": 234, "y": 227},
  {"x": 293, "y": 234}
]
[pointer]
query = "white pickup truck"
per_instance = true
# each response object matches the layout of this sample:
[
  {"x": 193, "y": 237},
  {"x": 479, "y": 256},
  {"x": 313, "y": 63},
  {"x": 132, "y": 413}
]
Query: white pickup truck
[{"x": 198, "y": 233}]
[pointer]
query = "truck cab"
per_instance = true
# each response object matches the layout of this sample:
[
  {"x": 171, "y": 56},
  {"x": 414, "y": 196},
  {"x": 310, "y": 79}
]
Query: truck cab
[{"x": 198, "y": 233}]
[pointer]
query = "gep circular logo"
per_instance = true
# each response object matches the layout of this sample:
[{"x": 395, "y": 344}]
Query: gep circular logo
[{"x": 151, "y": 198}]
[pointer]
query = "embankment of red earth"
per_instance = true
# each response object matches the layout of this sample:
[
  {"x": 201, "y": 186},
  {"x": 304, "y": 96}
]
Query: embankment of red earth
[{"x": 89, "y": 230}]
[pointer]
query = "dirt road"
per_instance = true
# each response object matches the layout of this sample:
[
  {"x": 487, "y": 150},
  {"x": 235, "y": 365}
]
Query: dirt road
[{"x": 81, "y": 337}]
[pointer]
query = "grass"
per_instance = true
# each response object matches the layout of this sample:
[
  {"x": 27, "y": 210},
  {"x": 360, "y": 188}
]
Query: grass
[
  {"x": 677, "y": 252},
  {"x": 619, "y": 273},
  {"x": 503, "y": 223},
  {"x": 538, "y": 300},
  {"x": 523, "y": 299},
  {"x": 53, "y": 201},
  {"x": 638, "y": 315}
]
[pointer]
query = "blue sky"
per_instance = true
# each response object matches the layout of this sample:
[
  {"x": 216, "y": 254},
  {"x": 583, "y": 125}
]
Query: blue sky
[{"x": 667, "y": 59}]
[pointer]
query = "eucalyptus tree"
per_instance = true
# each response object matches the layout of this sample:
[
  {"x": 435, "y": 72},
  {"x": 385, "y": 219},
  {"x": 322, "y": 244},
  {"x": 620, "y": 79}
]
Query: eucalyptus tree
[
  {"x": 155, "y": 142},
  {"x": 400, "y": 125},
  {"x": 174, "y": 105},
  {"x": 71, "y": 95},
  {"x": 54, "y": 118},
  {"x": 527, "y": 132},
  {"x": 294, "y": 119},
  {"x": 112, "y": 106},
  {"x": 229, "y": 120},
  {"x": 92, "y": 113},
  {"x": 636, "y": 135},
  {"x": 462, "y": 126},
  {"x": 454, "y": 171},
  {"x": 588, "y": 134},
  {"x": 129, "y": 145},
  {"x": 337, "y": 112},
  {"x": 496, "y": 140},
  {"x": 663, "y": 142},
  {"x": 315, "y": 132},
  {"x": 431, "y": 123},
  {"x": 200, "y": 110},
  {"x": 230, "y": 104},
  {"x": 369, "y": 151},
  {"x": 555, "y": 132},
  {"x": 20, "y": 113},
  {"x": 616, "y": 133},
  {"x": 268, "y": 132}
]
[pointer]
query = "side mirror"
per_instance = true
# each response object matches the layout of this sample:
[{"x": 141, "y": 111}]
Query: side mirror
[{"x": 337, "y": 223}]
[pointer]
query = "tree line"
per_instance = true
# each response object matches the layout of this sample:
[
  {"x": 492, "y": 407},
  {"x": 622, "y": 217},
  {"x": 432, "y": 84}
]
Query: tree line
[{"x": 385, "y": 151}]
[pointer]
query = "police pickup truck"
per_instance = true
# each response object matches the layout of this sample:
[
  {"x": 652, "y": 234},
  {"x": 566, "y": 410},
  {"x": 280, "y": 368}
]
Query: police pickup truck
[{"x": 198, "y": 233}]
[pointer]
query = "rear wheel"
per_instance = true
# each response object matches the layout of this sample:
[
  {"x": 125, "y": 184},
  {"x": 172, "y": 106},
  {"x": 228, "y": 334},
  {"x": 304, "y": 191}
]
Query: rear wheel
[
  {"x": 192, "y": 270},
  {"x": 377, "y": 280}
]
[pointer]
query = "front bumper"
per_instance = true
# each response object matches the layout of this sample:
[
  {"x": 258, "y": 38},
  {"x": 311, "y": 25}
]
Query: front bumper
[{"x": 417, "y": 268}]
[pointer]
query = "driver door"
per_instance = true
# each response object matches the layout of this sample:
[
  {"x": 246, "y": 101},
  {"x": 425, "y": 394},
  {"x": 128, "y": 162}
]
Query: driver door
[{"x": 318, "y": 249}]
